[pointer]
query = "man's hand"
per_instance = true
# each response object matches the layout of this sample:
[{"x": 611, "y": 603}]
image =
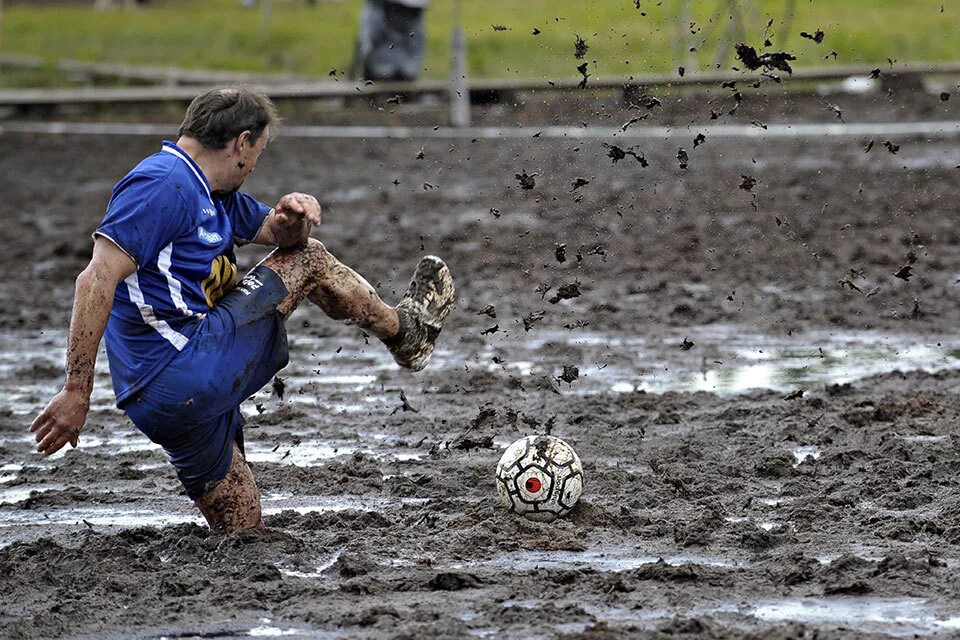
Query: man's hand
[
  {"x": 61, "y": 421},
  {"x": 295, "y": 207},
  {"x": 290, "y": 221}
]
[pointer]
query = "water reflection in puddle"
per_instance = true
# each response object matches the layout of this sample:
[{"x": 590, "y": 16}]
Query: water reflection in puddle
[
  {"x": 307, "y": 453},
  {"x": 725, "y": 359},
  {"x": 891, "y": 616},
  {"x": 607, "y": 559},
  {"x": 894, "y": 617},
  {"x": 13, "y": 495},
  {"x": 926, "y": 439},
  {"x": 112, "y": 515},
  {"x": 96, "y": 516},
  {"x": 804, "y": 453},
  {"x": 312, "y": 453}
]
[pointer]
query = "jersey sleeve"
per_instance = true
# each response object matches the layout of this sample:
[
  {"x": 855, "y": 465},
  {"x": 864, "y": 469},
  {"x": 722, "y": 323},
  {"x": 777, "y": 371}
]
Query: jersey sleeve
[
  {"x": 246, "y": 214},
  {"x": 144, "y": 215}
]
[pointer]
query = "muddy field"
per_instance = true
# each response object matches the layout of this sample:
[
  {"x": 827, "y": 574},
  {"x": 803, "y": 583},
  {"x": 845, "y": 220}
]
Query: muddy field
[{"x": 720, "y": 501}]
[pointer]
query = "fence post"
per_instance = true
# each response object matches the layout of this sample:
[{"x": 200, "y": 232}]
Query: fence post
[
  {"x": 267, "y": 14},
  {"x": 459, "y": 91}
]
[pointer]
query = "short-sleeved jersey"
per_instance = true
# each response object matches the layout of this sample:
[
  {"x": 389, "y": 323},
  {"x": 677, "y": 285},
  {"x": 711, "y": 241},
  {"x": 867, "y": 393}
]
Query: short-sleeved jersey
[{"x": 181, "y": 236}]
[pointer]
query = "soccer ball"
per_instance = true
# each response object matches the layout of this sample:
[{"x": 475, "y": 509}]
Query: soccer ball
[{"x": 540, "y": 477}]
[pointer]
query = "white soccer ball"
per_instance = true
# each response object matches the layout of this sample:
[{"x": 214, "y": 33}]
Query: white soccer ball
[{"x": 540, "y": 477}]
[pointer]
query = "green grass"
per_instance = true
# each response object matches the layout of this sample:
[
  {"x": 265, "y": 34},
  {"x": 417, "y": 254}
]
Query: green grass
[{"x": 219, "y": 34}]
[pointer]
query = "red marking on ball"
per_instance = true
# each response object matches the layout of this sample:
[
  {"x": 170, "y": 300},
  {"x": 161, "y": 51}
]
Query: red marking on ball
[{"x": 533, "y": 485}]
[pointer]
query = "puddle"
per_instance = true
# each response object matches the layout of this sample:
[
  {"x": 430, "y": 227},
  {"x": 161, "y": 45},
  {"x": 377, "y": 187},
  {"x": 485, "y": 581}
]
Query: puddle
[
  {"x": 803, "y": 453},
  {"x": 608, "y": 559},
  {"x": 766, "y": 526},
  {"x": 775, "y": 502},
  {"x": 266, "y": 631},
  {"x": 14, "y": 495},
  {"x": 16, "y": 524},
  {"x": 894, "y": 617},
  {"x": 725, "y": 359},
  {"x": 891, "y": 616},
  {"x": 324, "y": 504},
  {"x": 328, "y": 372},
  {"x": 96, "y": 516},
  {"x": 312, "y": 453},
  {"x": 925, "y": 439},
  {"x": 308, "y": 453}
]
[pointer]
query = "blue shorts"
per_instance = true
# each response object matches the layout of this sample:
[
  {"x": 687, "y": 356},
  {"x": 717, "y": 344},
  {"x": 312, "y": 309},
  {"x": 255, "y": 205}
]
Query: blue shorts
[{"x": 192, "y": 408}]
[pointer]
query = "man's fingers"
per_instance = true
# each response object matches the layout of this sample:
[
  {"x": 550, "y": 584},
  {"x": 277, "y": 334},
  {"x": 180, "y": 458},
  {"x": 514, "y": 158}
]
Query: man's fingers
[
  {"x": 298, "y": 205},
  {"x": 292, "y": 202},
  {"x": 39, "y": 421},
  {"x": 44, "y": 429},
  {"x": 289, "y": 209},
  {"x": 53, "y": 442}
]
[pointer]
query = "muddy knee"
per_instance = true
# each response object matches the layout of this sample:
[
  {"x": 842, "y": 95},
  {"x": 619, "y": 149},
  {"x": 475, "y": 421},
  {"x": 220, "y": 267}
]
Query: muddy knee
[{"x": 315, "y": 252}]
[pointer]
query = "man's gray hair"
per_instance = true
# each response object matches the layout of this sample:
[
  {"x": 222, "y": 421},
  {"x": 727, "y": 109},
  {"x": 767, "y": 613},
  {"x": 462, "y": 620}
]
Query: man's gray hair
[{"x": 218, "y": 116}]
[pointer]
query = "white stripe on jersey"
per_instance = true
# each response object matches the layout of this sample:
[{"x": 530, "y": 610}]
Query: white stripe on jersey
[
  {"x": 192, "y": 168},
  {"x": 175, "y": 338},
  {"x": 176, "y": 294}
]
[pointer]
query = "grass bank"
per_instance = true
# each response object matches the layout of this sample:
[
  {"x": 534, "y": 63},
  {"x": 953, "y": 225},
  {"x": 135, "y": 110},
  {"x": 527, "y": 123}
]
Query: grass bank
[{"x": 300, "y": 38}]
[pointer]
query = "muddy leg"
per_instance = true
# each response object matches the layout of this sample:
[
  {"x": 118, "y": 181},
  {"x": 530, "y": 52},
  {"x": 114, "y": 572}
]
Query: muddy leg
[
  {"x": 234, "y": 503},
  {"x": 313, "y": 272}
]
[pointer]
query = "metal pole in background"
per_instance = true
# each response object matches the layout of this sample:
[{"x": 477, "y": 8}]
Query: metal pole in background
[{"x": 459, "y": 92}]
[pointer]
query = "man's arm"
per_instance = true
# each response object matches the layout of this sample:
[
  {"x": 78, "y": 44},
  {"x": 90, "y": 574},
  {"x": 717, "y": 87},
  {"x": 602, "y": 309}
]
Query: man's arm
[
  {"x": 289, "y": 223},
  {"x": 66, "y": 413}
]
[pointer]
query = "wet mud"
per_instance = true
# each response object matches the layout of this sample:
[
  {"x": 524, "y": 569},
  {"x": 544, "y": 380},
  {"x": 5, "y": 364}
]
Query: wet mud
[{"x": 822, "y": 505}]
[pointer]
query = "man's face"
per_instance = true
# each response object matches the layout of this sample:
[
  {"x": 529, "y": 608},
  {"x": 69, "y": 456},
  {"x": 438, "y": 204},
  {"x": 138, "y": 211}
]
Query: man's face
[{"x": 247, "y": 155}]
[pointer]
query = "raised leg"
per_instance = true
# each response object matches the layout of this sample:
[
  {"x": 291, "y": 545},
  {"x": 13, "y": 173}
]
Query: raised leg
[
  {"x": 234, "y": 503},
  {"x": 313, "y": 272}
]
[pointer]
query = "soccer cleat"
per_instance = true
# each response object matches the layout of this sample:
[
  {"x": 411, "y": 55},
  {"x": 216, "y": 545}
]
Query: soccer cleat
[{"x": 422, "y": 310}]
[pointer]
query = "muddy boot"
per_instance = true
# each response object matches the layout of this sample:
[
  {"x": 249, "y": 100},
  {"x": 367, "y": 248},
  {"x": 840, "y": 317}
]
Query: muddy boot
[{"x": 427, "y": 302}]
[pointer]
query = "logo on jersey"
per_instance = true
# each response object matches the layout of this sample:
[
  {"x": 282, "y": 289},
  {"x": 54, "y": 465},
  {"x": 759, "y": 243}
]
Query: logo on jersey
[
  {"x": 210, "y": 237},
  {"x": 222, "y": 279},
  {"x": 207, "y": 211}
]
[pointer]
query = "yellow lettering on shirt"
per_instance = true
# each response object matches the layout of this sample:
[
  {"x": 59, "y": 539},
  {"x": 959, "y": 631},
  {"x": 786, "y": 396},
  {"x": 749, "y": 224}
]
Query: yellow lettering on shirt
[{"x": 222, "y": 279}]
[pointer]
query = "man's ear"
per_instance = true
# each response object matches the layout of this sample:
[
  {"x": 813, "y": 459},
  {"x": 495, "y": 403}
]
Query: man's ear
[{"x": 245, "y": 139}]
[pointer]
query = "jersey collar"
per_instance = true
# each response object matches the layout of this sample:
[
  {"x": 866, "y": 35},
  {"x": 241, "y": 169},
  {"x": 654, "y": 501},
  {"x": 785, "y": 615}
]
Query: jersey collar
[{"x": 170, "y": 147}]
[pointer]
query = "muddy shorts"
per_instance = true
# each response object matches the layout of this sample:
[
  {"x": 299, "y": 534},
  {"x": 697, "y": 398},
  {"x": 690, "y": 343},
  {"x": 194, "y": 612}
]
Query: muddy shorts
[{"x": 192, "y": 408}]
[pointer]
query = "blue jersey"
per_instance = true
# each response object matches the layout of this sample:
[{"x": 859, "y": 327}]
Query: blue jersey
[{"x": 181, "y": 237}]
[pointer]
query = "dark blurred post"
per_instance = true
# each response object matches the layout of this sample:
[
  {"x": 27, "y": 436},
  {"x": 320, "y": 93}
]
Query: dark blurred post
[
  {"x": 391, "y": 40},
  {"x": 682, "y": 53},
  {"x": 459, "y": 91},
  {"x": 1, "y": 36}
]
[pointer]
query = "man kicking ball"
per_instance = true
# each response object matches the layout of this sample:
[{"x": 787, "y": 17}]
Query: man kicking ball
[{"x": 185, "y": 341}]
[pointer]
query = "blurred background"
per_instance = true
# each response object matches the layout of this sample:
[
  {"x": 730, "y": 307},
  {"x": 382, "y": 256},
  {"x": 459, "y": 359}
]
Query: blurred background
[{"x": 505, "y": 38}]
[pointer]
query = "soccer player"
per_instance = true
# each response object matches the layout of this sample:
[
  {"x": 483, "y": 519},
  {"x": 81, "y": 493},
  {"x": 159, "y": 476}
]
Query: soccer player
[{"x": 186, "y": 342}]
